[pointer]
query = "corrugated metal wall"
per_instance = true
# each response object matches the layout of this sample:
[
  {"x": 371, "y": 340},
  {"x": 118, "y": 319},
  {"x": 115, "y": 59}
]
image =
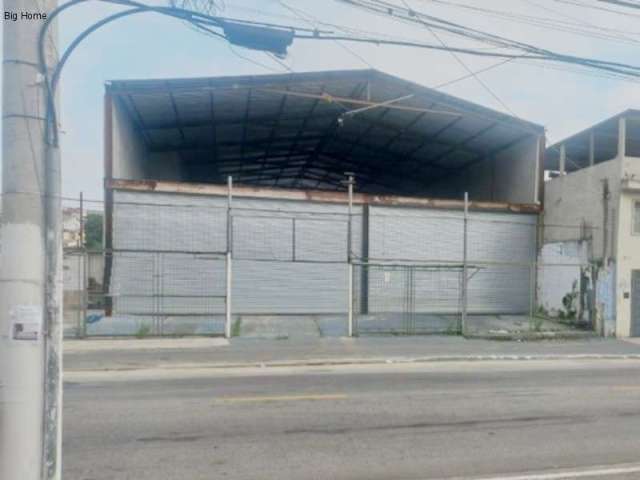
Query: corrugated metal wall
[
  {"x": 501, "y": 247},
  {"x": 291, "y": 256}
]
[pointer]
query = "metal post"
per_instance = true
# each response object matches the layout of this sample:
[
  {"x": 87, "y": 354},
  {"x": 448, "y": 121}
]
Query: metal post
[
  {"x": 157, "y": 271},
  {"x": 81, "y": 239},
  {"x": 82, "y": 282},
  {"x": 465, "y": 276},
  {"x": 78, "y": 257},
  {"x": 30, "y": 271},
  {"x": 227, "y": 324},
  {"x": 532, "y": 294},
  {"x": 350, "y": 260},
  {"x": 622, "y": 137},
  {"x": 533, "y": 300},
  {"x": 364, "y": 271},
  {"x": 85, "y": 292}
]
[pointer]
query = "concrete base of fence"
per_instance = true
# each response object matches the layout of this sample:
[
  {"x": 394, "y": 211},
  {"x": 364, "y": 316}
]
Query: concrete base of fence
[{"x": 530, "y": 336}]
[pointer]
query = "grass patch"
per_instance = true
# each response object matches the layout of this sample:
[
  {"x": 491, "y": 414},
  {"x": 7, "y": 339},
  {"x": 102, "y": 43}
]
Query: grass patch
[
  {"x": 143, "y": 331},
  {"x": 236, "y": 327}
]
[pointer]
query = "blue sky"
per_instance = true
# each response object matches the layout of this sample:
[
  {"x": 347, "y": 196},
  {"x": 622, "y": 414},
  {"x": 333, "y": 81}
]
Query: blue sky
[{"x": 148, "y": 45}]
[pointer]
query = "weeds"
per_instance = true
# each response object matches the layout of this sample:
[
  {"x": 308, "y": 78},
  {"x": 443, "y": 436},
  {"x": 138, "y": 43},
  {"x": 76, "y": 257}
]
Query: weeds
[{"x": 143, "y": 331}]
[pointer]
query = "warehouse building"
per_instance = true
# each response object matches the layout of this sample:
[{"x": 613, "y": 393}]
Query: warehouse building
[{"x": 185, "y": 250}]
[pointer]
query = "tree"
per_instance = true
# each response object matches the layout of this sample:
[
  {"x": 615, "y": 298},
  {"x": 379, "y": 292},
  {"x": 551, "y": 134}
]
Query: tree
[{"x": 93, "y": 231}]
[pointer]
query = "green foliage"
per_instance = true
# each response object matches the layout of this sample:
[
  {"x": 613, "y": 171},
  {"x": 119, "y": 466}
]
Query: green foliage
[
  {"x": 93, "y": 231},
  {"x": 237, "y": 327},
  {"x": 143, "y": 331},
  {"x": 568, "y": 302}
]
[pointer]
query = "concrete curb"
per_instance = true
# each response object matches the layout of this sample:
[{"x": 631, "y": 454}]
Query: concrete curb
[
  {"x": 532, "y": 336},
  {"x": 365, "y": 361}
]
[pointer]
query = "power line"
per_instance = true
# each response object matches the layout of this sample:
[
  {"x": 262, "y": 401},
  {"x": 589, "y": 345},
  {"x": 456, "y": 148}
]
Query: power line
[
  {"x": 397, "y": 12},
  {"x": 276, "y": 59},
  {"x": 579, "y": 70},
  {"x": 597, "y": 7},
  {"x": 622, "y": 3},
  {"x": 473, "y": 74},
  {"x": 575, "y": 26},
  {"x": 464, "y": 65},
  {"x": 250, "y": 60},
  {"x": 206, "y": 22},
  {"x": 315, "y": 22}
]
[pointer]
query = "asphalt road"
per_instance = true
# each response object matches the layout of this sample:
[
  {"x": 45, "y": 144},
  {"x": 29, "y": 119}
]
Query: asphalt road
[{"x": 538, "y": 420}]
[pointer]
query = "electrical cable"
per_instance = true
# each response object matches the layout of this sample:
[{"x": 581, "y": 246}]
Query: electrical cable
[
  {"x": 464, "y": 65},
  {"x": 477, "y": 72},
  {"x": 300, "y": 13},
  {"x": 204, "y": 22},
  {"x": 622, "y": 3},
  {"x": 596, "y": 7},
  {"x": 250, "y": 60},
  {"x": 387, "y": 9},
  {"x": 575, "y": 26}
]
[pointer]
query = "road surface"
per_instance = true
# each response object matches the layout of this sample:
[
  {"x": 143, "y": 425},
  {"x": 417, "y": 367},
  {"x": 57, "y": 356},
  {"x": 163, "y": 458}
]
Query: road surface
[{"x": 538, "y": 420}]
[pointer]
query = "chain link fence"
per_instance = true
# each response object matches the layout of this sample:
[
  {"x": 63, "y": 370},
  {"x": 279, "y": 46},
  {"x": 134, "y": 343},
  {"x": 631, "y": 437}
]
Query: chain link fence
[
  {"x": 575, "y": 278},
  {"x": 213, "y": 265}
]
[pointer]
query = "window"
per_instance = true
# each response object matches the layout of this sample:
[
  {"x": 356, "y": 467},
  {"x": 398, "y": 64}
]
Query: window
[{"x": 636, "y": 217}]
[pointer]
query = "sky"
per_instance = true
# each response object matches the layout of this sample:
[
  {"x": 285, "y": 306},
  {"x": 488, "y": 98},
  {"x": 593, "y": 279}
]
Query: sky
[{"x": 152, "y": 46}]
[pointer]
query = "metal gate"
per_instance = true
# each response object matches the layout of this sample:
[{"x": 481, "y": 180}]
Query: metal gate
[
  {"x": 407, "y": 298},
  {"x": 203, "y": 264},
  {"x": 166, "y": 270}
]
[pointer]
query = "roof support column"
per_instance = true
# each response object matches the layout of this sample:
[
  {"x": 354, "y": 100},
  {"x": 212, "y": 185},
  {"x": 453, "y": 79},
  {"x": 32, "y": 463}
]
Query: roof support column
[
  {"x": 592, "y": 148},
  {"x": 563, "y": 159},
  {"x": 622, "y": 137}
]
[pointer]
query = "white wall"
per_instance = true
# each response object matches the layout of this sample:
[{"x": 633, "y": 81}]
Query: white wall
[
  {"x": 571, "y": 199},
  {"x": 132, "y": 160},
  {"x": 560, "y": 266},
  {"x": 128, "y": 149},
  {"x": 509, "y": 176},
  {"x": 517, "y": 173},
  {"x": 628, "y": 258}
]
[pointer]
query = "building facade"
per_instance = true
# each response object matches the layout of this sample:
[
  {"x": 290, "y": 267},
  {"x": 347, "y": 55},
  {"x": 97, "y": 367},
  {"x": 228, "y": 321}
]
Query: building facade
[
  {"x": 394, "y": 258},
  {"x": 595, "y": 184}
]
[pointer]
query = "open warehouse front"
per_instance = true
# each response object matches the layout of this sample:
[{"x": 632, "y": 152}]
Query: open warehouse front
[{"x": 286, "y": 244}]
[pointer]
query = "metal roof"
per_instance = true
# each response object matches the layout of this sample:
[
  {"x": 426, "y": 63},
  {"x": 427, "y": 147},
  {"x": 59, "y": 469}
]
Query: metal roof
[
  {"x": 577, "y": 145},
  {"x": 284, "y": 130}
]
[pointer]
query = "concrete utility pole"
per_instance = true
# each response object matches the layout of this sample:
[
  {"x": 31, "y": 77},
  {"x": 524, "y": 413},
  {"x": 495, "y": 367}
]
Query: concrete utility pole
[{"x": 30, "y": 266}]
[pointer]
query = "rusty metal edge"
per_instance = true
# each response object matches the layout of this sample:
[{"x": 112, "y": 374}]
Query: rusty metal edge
[{"x": 314, "y": 196}]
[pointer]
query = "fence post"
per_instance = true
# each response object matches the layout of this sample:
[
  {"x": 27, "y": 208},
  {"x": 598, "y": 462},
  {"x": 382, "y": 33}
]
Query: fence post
[
  {"x": 532, "y": 295},
  {"x": 535, "y": 265},
  {"x": 85, "y": 292},
  {"x": 465, "y": 276},
  {"x": 227, "y": 323},
  {"x": 350, "y": 260},
  {"x": 85, "y": 281}
]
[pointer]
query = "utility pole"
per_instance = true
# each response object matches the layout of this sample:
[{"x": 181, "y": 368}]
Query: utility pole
[{"x": 30, "y": 269}]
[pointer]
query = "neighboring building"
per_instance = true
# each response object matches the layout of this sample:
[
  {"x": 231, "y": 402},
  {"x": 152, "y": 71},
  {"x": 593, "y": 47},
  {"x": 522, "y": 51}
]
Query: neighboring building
[
  {"x": 287, "y": 141},
  {"x": 71, "y": 227},
  {"x": 596, "y": 185},
  {"x": 74, "y": 227}
]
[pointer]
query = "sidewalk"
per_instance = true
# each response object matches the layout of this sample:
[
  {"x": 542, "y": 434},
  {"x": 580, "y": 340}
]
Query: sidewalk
[{"x": 133, "y": 354}]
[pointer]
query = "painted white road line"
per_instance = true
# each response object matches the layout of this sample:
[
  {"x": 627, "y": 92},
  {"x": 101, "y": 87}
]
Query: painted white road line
[
  {"x": 591, "y": 472},
  {"x": 281, "y": 398}
]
